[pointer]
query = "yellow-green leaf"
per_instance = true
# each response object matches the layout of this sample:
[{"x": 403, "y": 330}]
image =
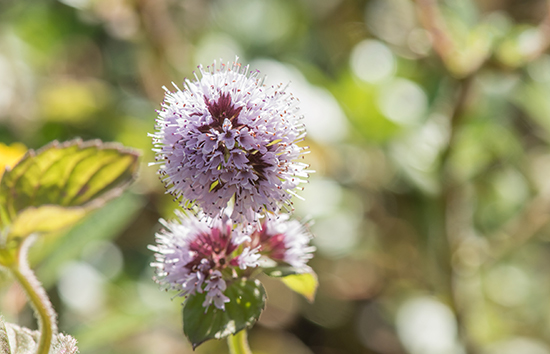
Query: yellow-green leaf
[
  {"x": 55, "y": 186},
  {"x": 305, "y": 284},
  {"x": 44, "y": 219}
]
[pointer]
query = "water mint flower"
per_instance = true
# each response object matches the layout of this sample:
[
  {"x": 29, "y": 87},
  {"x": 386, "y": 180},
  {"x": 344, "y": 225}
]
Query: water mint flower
[
  {"x": 196, "y": 256},
  {"x": 227, "y": 136}
]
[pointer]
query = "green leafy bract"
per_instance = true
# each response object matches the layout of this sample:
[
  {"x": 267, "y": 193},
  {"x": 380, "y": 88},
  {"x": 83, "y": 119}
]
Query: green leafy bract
[
  {"x": 55, "y": 186},
  {"x": 247, "y": 300}
]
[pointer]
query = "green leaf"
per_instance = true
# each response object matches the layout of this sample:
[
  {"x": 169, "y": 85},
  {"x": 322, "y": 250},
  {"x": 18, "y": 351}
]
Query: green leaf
[
  {"x": 55, "y": 186},
  {"x": 304, "y": 284},
  {"x": 247, "y": 300},
  {"x": 45, "y": 219}
]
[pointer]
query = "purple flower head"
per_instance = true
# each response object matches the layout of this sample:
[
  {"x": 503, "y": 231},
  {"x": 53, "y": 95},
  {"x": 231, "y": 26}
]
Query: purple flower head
[
  {"x": 196, "y": 256},
  {"x": 227, "y": 135},
  {"x": 284, "y": 241}
]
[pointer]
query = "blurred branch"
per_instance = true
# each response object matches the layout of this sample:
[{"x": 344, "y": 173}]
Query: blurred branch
[
  {"x": 433, "y": 22},
  {"x": 446, "y": 245},
  {"x": 535, "y": 215},
  {"x": 461, "y": 62},
  {"x": 160, "y": 35},
  {"x": 450, "y": 191},
  {"x": 544, "y": 33},
  {"x": 463, "y": 91},
  {"x": 521, "y": 229}
]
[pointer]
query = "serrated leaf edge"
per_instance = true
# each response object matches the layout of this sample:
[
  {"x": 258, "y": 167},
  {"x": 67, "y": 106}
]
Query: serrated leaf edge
[{"x": 81, "y": 144}]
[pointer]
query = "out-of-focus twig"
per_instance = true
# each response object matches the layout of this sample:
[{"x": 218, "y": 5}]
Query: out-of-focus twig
[
  {"x": 461, "y": 62},
  {"x": 463, "y": 94},
  {"x": 520, "y": 229},
  {"x": 536, "y": 214},
  {"x": 445, "y": 47},
  {"x": 432, "y": 21},
  {"x": 449, "y": 191},
  {"x": 159, "y": 36},
  {"x": 544, "y": 36}
]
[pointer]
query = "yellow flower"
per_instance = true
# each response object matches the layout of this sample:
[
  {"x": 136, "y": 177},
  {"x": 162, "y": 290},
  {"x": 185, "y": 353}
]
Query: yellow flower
[{"x": 10, "y": 155}]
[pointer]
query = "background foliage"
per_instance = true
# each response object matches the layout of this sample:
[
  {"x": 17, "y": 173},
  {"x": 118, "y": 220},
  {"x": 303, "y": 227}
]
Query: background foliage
[{"x": 429, "y": 127}]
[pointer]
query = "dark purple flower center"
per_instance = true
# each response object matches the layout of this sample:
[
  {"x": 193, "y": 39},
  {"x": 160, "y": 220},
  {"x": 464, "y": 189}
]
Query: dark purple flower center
[
  {"x": 258, "y": 164},
  {"x": 221, "y": 110}
]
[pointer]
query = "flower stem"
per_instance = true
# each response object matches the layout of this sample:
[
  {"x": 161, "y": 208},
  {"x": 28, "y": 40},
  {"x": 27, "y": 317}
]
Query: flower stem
[
  {"x": 238, "y": 344},
  {"x": 38, "y": 299}
]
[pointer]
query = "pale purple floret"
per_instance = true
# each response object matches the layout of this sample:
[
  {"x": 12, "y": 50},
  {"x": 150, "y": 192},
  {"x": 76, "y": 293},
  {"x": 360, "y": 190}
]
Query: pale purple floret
[
  {"x": 226, "y": 135},
  {"x": 215, "y": 286},
  {"x": 249, "y": 258},
  {"x": 217, "y": 297}
]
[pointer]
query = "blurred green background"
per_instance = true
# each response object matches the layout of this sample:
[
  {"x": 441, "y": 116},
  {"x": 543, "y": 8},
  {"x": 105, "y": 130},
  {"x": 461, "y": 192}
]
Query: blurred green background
[{"x": 429, "y": 128}]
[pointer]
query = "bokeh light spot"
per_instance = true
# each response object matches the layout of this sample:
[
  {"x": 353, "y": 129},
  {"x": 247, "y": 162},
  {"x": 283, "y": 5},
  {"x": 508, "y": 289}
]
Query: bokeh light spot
[
  {"x": 403, "y": 101},
  {"x": 81, "y": 287},
  {"x": 372, "y": 61},
  {"x": 426, "y": 326}
]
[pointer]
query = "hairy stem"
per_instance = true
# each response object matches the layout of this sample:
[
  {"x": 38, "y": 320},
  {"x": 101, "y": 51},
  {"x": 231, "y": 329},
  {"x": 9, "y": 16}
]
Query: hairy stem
[
  {"x": 238, "y": 344},
  {"x": 37, "y": 296}
]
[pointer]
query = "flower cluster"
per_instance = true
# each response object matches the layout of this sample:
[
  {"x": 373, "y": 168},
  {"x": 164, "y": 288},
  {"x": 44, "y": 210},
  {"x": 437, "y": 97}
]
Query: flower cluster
[
  {"x": 190, "y": 253},
  {"x": 227, "y": 149},
  {"x": 228, "y": 136},
  {"x": 196, "y": 256}
]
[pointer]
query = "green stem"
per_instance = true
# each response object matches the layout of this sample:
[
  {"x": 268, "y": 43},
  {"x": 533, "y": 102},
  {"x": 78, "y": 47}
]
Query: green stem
[
  {"x": 238, "y": 344},
  {"x": 38, "y": 298}
]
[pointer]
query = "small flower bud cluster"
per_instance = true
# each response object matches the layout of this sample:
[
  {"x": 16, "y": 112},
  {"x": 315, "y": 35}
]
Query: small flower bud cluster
[{"x": 227, "y": 145}]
